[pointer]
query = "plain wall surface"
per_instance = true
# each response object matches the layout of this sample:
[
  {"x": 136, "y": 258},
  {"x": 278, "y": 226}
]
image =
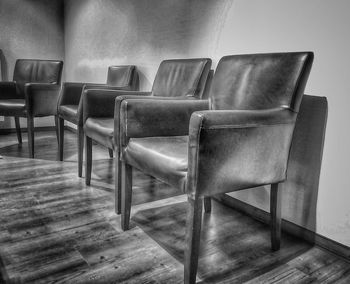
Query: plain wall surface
[{"x": 30, "y": 29}]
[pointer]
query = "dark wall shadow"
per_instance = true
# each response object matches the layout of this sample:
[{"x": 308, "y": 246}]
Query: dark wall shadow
[
  {"x": 3, "y": 67},
  {"x": 300, "y": 191}
]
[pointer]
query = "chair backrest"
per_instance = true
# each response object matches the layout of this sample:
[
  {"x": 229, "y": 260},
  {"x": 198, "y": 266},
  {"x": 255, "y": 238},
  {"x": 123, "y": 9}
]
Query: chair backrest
[
  {"x": 125, "y": 76},
  {"x": 260, "y": 81},
  {"x": 181, "y": 77},
  {"x": 37, "y": 71}
]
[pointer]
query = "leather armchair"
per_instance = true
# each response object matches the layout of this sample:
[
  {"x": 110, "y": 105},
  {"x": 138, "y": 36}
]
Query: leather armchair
[
  {"x": 70, "y": 105},
  {"x": 33, "y": 93},
  {"x": 175, "y": 79},
  {"x": 240, "y": 138}
]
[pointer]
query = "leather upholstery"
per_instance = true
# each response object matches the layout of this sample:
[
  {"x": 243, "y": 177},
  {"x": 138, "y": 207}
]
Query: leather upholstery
[
  {"x": 123, "y": 76},
  {"x": 242, "y": 141},
  {"x": 120, "y": 77},
  {"x": 260, "y": 81},
  {"x": 33, "y": 93},
  {"x": 181, "y": 77},
  {"x": 35, "y": 81},
  {"x": 36, "y": 71},
  {"x": 101, "y": 131},
  {"x": 228, "y": 149},
  {"x": 170, "y": 154},
  {"x": 14, "y": 107},
  {"x": 174, "y": 78}
]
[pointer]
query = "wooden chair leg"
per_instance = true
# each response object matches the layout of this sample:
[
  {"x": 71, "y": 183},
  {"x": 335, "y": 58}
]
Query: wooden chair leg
[
  {"x": 110, "y": 151},
  {"x": 30, "y": 126},
  {"x": 126, "y": 194},
  {"x": 18, "y": 130},
  {"x": 117, "y": 182},
  {"x": 193, "y": 232},
  {"x": 81, "y": 151},
  {"x": 207, "y": 204},
  {"x": 88, "y": 160},
  {"x": 60, "y": 126},
  {"x": 56, "y": 128},
  {"x": 275, "y": 211}
]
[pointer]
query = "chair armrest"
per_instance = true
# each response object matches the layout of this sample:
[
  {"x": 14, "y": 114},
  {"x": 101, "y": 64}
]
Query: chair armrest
[
  {"x": 157, "y": 117},
  {"x": 100, "y": 102},
  {"x": 8, "y": 90},
  {"x": 234, "y": 150},
  {"x": 105, "y": 87},
  {"x": 70, "y": 93},
  {"x": 41, "y": 98}
]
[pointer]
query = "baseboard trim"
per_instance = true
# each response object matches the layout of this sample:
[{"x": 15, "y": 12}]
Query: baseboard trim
[
  {"x": 287, "y": 226},
  {"x": 23, "y": 130}
]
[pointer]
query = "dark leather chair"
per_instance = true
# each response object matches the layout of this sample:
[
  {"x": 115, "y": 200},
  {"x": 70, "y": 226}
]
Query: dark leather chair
[
  {"x": 175, "y": 78},
  {"x": 33, "y": 93},
  {"x": 240, "y": 138},
  {"x": 70, "y": 106}
]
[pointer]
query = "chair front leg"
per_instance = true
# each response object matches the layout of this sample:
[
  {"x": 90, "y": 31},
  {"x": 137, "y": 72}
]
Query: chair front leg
[
  {"x": 88, "y": 160},
  {"x": 193, "y": 232},
  {"x": 275, "y": 211},
  {"x": 56, "y": 128},
  {"x": 126, "y": 194},
  {"x": 117, "y": 182},
  {"x": 60, "y": 122},
  {"x": 80, "y": 139},
  {"x": 18, "y": 130},
  {"x": 30, "y": 126}
]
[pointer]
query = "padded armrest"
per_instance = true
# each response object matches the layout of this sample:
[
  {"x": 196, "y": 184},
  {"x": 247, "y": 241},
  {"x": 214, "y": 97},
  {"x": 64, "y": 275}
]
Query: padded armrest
[
  {"x": 100, "y": 102},
  {"x": 157, "y": 117},
  {"x": 105, "y": 87},
  {"x": 8, "y": 90},
  {"x": 41, "y": 98},
  {"x": 253, "y": 145},
  {"x": 70, "y": 93}
]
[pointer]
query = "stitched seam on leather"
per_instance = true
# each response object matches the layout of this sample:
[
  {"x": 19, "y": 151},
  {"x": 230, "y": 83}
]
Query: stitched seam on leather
[
  {"x": 197, "y": 80},
  {"x": 197, "y": 153},
  {"x": 255, "y": 125},
  {"x": 296, "y": 87}
]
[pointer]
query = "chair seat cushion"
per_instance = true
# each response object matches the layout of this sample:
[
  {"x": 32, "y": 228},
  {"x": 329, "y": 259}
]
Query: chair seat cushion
[
  {"x": 69, "y": 112},
  {"x": 162, "y": 157},
  {"x": 13, "y": 107},
  {"x": 100, "y": 130}
]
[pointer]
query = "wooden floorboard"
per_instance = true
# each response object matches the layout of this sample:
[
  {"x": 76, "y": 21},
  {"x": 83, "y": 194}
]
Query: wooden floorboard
[{"x": 54, "y": 229}]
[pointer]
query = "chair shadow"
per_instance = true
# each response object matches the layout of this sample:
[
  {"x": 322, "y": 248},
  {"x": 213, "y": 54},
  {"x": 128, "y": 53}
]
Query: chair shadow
[
  {"x": 300, "y": 191},
  {"x": 230, "y": 241}
]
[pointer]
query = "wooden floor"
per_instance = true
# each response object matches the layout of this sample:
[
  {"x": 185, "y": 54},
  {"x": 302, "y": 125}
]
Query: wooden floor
[{"x": 55, "y": 229}]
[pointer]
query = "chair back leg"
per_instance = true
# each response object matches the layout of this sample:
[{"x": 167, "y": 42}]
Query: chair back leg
[
  {"x": 110, "y": 151},
  {"x": 30, "y": 126},
  {"x": 60, "y": 126},
  {"x": 117, "y": 181},
  {"x": 193, "y": 232},
  {"x": 81, "y": 151},
  {"x": 275, "y": 211},
  {"x": 18, "y": 130},
  {"x": 88, "y": 160},
  {"x": 126, "y": 194}
]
